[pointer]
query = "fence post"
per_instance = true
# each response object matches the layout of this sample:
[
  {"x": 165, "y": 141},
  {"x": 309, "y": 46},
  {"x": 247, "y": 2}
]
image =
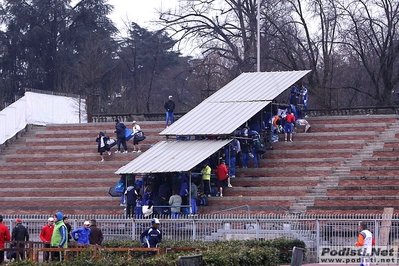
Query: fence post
[
  {"x": 194, "y": 230},
  {"x": 317, "y": 239},
  {"x": 134, "y": 230}
]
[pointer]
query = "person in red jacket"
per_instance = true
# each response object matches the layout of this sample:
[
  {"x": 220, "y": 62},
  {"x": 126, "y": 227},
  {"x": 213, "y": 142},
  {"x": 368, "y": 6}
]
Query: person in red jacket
[
  {"x": 4, "y": 236},
  {"x": 46, "y": 234},
  {"x": 289, "y": 126},
  {"x": 222, "y": 174}
]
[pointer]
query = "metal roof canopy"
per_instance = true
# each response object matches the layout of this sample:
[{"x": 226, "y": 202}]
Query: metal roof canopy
[
  {"x": 173, "y": 156},
  {"x": 231, "y": 106}
]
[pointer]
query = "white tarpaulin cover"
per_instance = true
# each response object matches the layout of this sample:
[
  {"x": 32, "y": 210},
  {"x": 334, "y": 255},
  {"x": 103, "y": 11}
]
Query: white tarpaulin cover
[
  {"x": 45, "y": 109},
  {"x": 40, "y": 109}
]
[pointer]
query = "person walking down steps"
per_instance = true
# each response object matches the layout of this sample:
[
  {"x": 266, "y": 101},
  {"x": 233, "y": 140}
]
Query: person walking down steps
[{"x": 102, "y": 145}]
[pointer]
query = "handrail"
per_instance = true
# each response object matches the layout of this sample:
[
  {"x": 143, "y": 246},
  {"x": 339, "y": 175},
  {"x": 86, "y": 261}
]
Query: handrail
[
  {"x": 233, "y": 208},
  {"x": 363, "y": 110}
]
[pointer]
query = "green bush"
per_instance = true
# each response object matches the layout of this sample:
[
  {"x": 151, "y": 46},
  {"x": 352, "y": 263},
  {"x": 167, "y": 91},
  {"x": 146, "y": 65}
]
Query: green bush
[{"x": 249, "y": 252}]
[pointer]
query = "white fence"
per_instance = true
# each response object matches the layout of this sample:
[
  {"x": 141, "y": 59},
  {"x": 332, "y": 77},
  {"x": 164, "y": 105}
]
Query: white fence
[{"x": 315, "y": 231}]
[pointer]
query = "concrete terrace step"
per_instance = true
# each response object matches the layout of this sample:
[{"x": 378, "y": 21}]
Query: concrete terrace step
[
  {"x": 297, "y": 159},
  {"x": 309, "y": 174},
  {"x": 317, "y": 145},
  {"x": 349, "y": 119},
  {"x": 26, "y": 185},
  {"x": 55, "y": 173},
  {"x": 68, "y": 157},
  {"x": 369, "y": 181},
  {"x": 261, "y": 191},
  {"x": 293, "y": 173},
  {"x": 100, "y": 126},
  {"x": 61, "y": 166},
  {"x": 54, "y": 150},
  {"x": 337, "y": 129},
  {"x": 57, "y": 192},
  {"x": 371, "y": 191},
  {"x": 366, "y": 126},
  {"x": 78, "y": 141},
  {"x": 357, "y": 199},
  {"x": 386, "y": 153},
  {"x": 314, "y": 138},
  {"x": 273, "y": 182},
  {"x": 88, "y": 132},
  {"x": 375, "y": 168},
  {"x": 304, "y": 163}
]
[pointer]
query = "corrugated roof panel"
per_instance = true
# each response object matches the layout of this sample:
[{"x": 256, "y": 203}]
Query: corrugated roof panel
[
  {"x": 234, "y": 104},
  {"x": 173, "y": 156},
  {"x": 202, "y": 121},
  {"x": 257, "y": 86}
]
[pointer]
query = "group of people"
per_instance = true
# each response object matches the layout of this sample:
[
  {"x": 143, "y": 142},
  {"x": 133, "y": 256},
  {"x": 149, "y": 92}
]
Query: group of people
[
  {"x": 159, "y": 194},
  {"x": 299, "y": 98},
  {"x": 286, "y": 118},
  {"x": 56, "y": 233},
  {"x": 104, "y": 142}
]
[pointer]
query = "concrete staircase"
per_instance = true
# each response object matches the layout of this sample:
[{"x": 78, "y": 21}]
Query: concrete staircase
[
  {"x": 58, "y": 168},
  {"x": 346, "y": 202},
  {"x": 300, "y": 176},
  {"x": 341, "y": 165}
]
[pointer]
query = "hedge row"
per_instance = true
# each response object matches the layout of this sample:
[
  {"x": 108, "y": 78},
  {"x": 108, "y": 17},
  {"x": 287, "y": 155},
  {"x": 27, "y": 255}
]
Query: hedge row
[{"x": 249, "y": 252}]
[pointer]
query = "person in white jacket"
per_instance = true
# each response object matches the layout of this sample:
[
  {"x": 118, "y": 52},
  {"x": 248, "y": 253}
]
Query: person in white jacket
[{"x": 136, "y": 145}]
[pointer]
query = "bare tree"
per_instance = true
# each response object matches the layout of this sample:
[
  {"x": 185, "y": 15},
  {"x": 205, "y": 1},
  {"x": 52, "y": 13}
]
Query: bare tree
[
  {"x": 372, "y": 33},
  {"x": 227, "y": 28}
]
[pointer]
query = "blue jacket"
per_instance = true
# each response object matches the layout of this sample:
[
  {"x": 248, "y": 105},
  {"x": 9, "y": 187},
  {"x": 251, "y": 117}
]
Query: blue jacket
[
  {"x": 83, "y": 235},
  {"x": 131, "y": 195},
  {"x": 120, "y": 130},
  {"x": 151, "y": 237}
]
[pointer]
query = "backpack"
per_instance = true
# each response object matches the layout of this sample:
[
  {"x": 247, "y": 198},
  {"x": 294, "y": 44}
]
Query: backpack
[
  {"x": 120, "y": 187},
  {"x": 233, "y": 149},
  {"x": 259, "y": 146}
]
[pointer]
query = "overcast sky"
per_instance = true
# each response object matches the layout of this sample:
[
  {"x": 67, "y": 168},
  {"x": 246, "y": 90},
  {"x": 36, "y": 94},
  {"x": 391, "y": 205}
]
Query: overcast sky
[{"x": 139, "y": 11}]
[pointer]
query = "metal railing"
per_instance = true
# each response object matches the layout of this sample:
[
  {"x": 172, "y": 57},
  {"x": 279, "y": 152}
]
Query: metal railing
[
  {"x": 314, "y": 230},
  {"x": 365, "y": 110}
]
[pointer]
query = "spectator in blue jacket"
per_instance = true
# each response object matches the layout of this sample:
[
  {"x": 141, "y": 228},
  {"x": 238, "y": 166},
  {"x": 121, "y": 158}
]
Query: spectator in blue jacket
[
  {"x": 304, "y": 98},
  {"x": 120, "y": 130},
  {"x": 151, "y": 236},
  {"x": 169, "y": 108},
  {"x": 81, "y": 235}
]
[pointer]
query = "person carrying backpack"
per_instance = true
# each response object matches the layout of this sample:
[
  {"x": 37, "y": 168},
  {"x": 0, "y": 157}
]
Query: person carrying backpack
[
  {"x": 120, "y": 130},
  {"x": 102, "y": 145},
  {"x": 235, "y": 148},
  {"x": 136, "y": 130}
]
